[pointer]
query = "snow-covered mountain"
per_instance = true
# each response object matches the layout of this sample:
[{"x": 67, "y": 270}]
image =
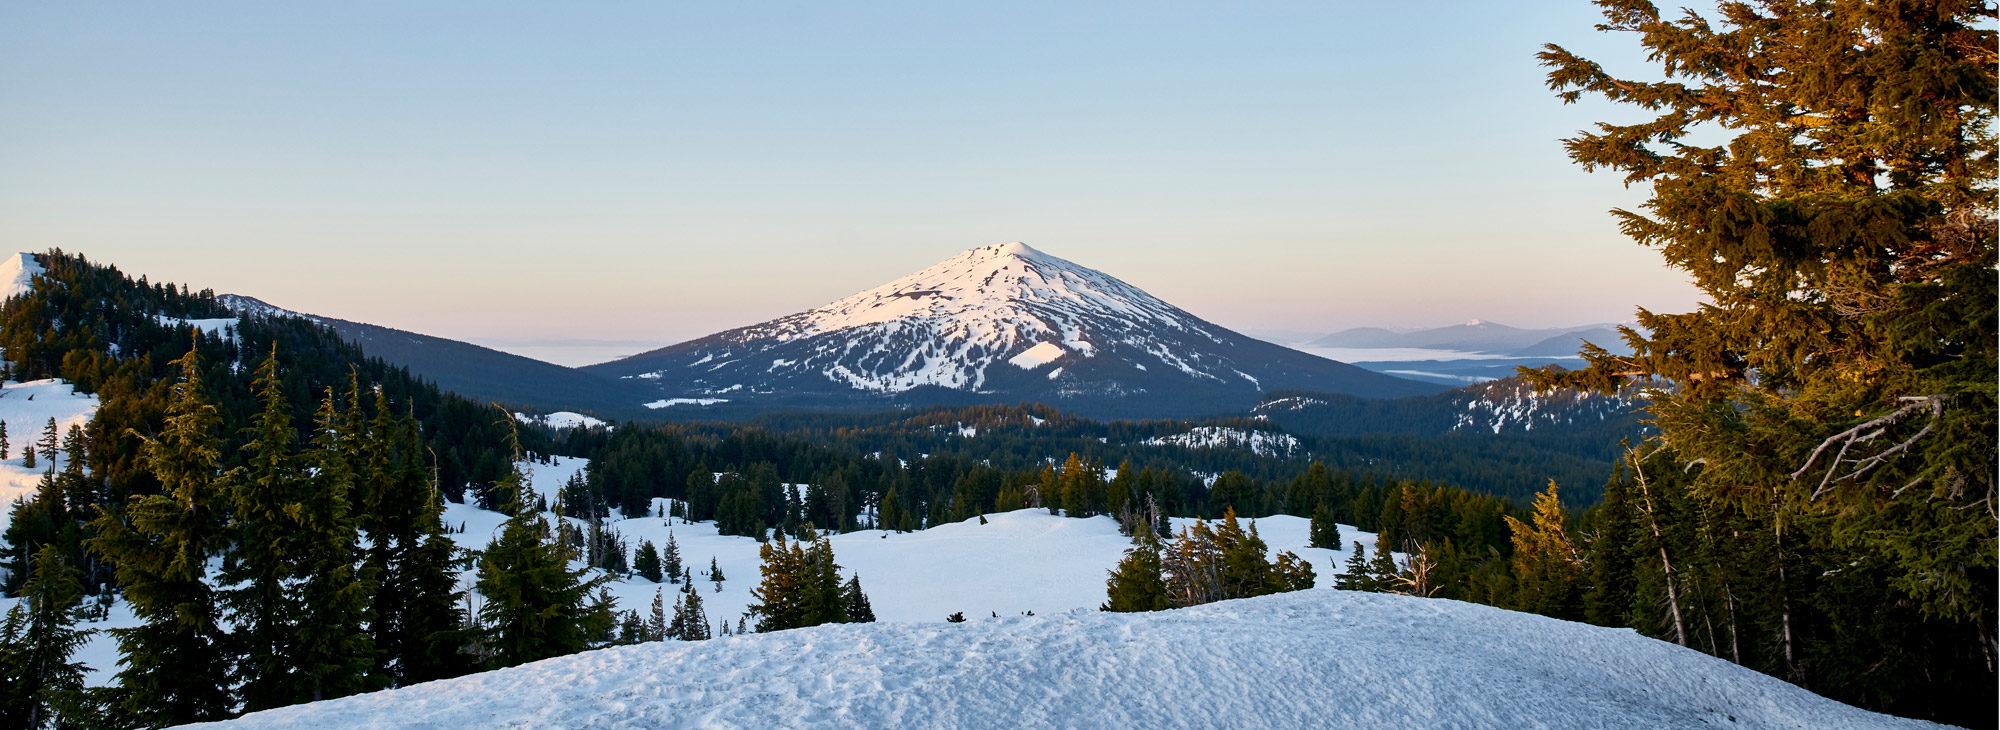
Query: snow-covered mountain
[
  {"x": 996, "y": 324},
  {"x": 1309, "y": 659}
]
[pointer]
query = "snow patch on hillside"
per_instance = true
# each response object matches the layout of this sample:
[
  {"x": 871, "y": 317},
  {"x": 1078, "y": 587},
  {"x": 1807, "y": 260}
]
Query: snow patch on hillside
[
  {"x": 224, "y": 327},
  {"x": 1316, "y": 658},
  {"x": 26, "y": 409},
  {"x": 671, "y": 402},
  {"x": 561, "y": 420},
  {"x": 1037, "y": 356},
  {"x": 1261, "y": 443}
]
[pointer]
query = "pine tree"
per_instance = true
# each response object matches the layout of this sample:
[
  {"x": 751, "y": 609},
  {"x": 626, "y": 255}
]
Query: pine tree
[
  {"x": 50, "y": 443},
  {"x": 1136, "y": 585},
  {"x": 647, "y": 563},
  {"x": 690, "y": 616},
  {"x": 1355, "y": 575},
  {"x": 781, "y": 593},
  {"x": 416, "y": 619},
  {"x": 536, "y": 606},
  {"x": 1840, "y": 223},
  {"x": 656, "y": 621},
  {"x": 1546, "y": 562},
  {"x": 267, "y": 496},
  {"x": 37, "y": 640},
  {"x": 5, "y": 449},
  {"x": 334, "y": 651},
  {"x": 1324, "y": 531},
  {"x": 670, "y": 560},
  {"x": 855, "y": 602},
  {"x": 715, "y": 573},
  {"x": 176, "y": 661},
  {"x": 28, "y": 457}
]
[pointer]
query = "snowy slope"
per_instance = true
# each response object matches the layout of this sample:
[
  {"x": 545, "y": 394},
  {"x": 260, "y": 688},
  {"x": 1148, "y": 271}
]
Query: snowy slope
[
  {"x": 996, "y": 323},
  {"x": 1026, "y": 560},
  {"x": 26, "y": 409},
  {"x": 1318, "y": 658},
  {"x": 17, "y": 274}
]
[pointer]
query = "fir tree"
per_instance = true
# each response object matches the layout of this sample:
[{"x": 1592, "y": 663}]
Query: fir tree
[
  {"x": 1355, "y": 576},
  {"x": 715, "y": 573},
  {"x": 416, "y": 616},
  {"x": 670, "y": 560},
  {"x": 855, "y": 602},
  {"x": 536, "y": 607},
  {"x": 1837, "y": 391},
  {"x": 4, "y": 448},
  {"x": 1324, "y": 532},
  {"x": 51, "y": 441},
  {"x": 176, "y": 661},
  {"x": 28, "y": 457},
  {"x": 1546, "y": 562},
  {"x": 690, "y": 616},
  {"x": 656, "y": 621},
  {"x": 267, "y": 495},
  {"x": 37, "y": 639},
  {"x": 647, "y": 563},
  {"x": 1135, "y": 585},
  {"x": 333, "y": 648}
]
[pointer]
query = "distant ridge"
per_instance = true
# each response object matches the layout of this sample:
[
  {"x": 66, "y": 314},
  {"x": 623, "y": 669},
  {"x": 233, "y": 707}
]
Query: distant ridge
[{"x": 476, "y": 372}]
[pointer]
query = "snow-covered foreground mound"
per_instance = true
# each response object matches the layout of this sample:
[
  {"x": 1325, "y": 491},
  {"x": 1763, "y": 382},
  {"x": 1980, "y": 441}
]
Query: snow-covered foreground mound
[{"x": 1318, "y": 658}]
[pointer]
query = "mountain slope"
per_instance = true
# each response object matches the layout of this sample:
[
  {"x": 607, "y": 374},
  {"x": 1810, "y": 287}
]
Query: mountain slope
[
  {"x": 1316, "y": 658},
  {"x": 478, "y": 373},
  {"x": 995, "y": 324}
]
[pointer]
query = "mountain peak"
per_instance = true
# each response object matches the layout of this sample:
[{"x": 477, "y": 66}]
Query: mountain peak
[{"x": 1000, "y": 322}]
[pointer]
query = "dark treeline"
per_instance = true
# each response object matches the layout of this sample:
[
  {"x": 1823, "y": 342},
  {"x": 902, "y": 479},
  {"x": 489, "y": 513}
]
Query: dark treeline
[{"x": 1026, "y": 437}]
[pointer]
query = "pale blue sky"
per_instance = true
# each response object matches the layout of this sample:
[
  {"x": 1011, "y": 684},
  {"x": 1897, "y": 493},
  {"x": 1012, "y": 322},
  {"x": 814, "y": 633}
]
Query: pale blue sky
[{"x": 650, "y": 172}]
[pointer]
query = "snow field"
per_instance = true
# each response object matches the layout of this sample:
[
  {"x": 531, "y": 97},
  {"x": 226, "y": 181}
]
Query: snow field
[
  {"x": 26, "y": 409},
  {"x": 1026, "y": 560},
  {"x": 1317, "y": 658}
]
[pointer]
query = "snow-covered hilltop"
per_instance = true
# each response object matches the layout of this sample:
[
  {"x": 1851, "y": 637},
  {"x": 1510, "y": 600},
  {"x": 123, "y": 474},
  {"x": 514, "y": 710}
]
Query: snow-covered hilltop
[
  {"x": 999, "y": 323},
  {"x": 1315, "y": 658}
]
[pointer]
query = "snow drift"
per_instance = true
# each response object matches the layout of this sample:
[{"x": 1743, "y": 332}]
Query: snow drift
[{"x": 1318, "y": 658}]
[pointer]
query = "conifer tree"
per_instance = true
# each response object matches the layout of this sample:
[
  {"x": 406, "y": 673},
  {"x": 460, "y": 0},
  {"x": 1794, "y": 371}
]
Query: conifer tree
[
  {"x": 1324, "y": 531},
  {"x": 1549, "y": 567},
  {"x": 1382, "y": 569},
  {"x": 656, "y": 621},
  {"x": 690, "y": 616},
  {"x": 855, "y": 602},
  {"x": 670, "y": 560},
  {"x": 536, "y": 606},
  {"x": 1840, "y": 222},
  {"x": 1355, "y": 575},
  {"x": 267, "y": 498},
  {"x": 714, "y": 573},
  {"x": 4, "y": 448},
  {"x": 28, "y": 456},
  {"x": 37, "y": 639},
  {"x": 647, "y": 563},
  {"x": 50, "y": 443},
  {"x": 334, "y": 650},
  {"x": 781, "y": 593},
  {"x": 176, "y": 661},
  {"x": 415, "y": 615},
  {"x": 1135, "y": 585}
]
